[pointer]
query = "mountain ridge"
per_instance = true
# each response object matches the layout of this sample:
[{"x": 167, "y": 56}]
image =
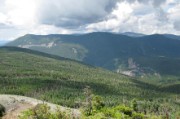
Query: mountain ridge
[{"x": 102, "y": 49}]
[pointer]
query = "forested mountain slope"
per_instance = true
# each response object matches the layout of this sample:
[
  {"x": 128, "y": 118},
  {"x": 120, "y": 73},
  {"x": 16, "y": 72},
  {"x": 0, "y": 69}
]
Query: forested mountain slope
[{"x": 138, "y": 55}]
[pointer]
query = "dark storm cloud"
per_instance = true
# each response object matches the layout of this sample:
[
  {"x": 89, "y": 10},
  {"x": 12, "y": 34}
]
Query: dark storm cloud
[{"x": 72, "y": 13}]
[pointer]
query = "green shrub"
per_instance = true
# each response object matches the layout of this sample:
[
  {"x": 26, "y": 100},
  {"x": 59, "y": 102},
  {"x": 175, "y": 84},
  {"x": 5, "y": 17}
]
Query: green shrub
[
  {"x": 42, "y": 111},
  {"x": 2, "y": 110},
  {"x": 112, "y": 113},
  {"x": 109, "y": 112},
  {"x": 134, "y": 105},
  {"x": 97, "y": 103},
  {"x": 93, "y": 103},
  {"x": 126, "y": 110},
  {"x": 96, "y": 116},
  {"x": 137, "y": 116},
  {"x": 63, "y": 115}
]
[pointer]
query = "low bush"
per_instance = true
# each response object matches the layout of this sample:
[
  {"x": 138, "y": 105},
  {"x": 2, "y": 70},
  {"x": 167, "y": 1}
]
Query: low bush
[
  {"x": 137, "y": 116},
  {"x": 42, "y": 111},
  {"x": 126, "y": 110},
  {"x": 2, "y": 110}
]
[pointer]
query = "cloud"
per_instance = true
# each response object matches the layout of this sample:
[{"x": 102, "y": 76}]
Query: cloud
[
  {"x": 158, "y": 2},
  {"x": 177, "y": 25},
  {"x": 4, "y": 26},
  {"x": 162, "y": 16},
  {"x": 19, "y": 17},
  {"x": 174, "y": 15},
  {"x": 131, "y": 16},
  {"x": 155, "y": 3},
  {"x": 71, "y": 13}
]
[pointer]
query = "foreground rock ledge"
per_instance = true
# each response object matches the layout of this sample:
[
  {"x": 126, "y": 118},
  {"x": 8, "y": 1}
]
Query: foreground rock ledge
[{"x": 15, "y": 104}]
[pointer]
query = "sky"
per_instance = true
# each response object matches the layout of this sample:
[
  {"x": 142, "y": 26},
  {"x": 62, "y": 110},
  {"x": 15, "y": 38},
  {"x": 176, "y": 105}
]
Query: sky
[{"x": 20, "y": 17}]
